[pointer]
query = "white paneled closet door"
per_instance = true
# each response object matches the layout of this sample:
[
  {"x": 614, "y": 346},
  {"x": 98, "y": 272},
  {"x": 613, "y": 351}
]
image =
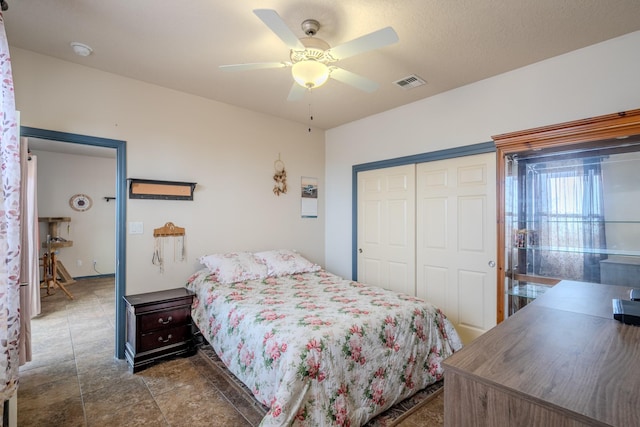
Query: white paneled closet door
[
  {"x": 456, "y": 240},
  {"x": 386, "y": 228}
]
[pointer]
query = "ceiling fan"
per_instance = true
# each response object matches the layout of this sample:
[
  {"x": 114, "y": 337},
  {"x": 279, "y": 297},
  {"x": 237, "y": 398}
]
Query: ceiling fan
[{"x": 312, "y": 58}]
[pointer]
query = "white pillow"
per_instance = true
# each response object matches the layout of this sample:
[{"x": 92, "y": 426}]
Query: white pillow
[
  {"x": 235, "y": 267},
  {"x": 285, "y": 261}
]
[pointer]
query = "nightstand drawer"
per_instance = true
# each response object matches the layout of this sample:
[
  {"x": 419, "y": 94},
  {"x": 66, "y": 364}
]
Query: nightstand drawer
[
  {"x": 164, "y": 319},
  {"x": 164, "y": 337}
]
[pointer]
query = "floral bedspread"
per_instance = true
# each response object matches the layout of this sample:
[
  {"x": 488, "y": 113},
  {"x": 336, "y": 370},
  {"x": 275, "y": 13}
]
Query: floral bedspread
[{"x": 321, "y": 350}]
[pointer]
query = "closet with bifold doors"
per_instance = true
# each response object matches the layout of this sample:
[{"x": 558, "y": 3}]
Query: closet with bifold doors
[{"x": 428, "y": 229}]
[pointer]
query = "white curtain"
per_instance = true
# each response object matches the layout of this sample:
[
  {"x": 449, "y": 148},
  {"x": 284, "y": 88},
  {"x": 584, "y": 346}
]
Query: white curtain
[
  {"x": 9, "y": 226},
  {"x": 565, "y": 204},
  {"x": 30, "y": 263}
]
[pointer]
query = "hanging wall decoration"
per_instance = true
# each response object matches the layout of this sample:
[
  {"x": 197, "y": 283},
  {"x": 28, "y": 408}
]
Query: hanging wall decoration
[
  {"x": 80, "y": 202},
  {"x": 171, "y": 235},
  {"x": 280, "y": 177}
]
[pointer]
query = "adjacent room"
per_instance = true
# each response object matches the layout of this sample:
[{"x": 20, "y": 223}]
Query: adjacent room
[{"x": 308, "y": 213}]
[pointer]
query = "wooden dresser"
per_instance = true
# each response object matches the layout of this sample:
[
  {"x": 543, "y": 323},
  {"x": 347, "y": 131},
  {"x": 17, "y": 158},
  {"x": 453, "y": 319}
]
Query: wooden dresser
[
  {"x": 158, "y": 326},
  {"x": 560, "y": 361}
]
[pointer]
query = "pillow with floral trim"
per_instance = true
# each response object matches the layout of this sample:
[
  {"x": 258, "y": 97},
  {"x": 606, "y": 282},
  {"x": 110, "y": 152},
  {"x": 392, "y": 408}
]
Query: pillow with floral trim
[
  {"x": 233, "y": 267},
  {"x": 281, "y": 262}
]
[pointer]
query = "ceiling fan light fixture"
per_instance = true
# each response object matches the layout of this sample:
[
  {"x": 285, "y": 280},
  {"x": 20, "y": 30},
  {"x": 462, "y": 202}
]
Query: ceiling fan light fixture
[{"x": 310, "y": 74}]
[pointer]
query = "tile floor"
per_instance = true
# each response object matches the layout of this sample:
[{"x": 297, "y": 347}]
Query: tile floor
[{"x": 75, "y": 380}]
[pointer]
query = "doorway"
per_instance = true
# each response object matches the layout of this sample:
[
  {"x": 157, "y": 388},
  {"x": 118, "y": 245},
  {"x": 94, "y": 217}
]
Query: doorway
[{"x": 120, "y": 221}]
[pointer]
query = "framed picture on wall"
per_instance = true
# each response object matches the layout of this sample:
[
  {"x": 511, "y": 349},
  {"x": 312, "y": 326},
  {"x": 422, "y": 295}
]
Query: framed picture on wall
[{"x": 309, "y": 197}]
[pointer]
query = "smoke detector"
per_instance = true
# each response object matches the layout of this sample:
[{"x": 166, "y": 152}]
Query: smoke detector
[{"x": 81, "y": 49}]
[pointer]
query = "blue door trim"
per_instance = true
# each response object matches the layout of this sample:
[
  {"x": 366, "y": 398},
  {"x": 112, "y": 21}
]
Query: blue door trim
[{"x": 121, "y": 197}]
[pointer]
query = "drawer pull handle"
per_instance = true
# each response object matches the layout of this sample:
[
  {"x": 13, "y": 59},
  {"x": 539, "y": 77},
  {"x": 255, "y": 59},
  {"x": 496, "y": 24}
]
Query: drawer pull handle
[
  {"x": 167, "y": 340},
  {"x": 164, "y": 322}
]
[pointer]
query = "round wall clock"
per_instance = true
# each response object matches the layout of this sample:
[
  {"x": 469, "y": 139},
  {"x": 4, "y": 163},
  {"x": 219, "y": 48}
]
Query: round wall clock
[{"x": 80, "y": 202}]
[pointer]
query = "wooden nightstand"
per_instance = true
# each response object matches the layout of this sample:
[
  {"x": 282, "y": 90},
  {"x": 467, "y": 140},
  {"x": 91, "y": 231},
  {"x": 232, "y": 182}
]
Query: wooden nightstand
[{"x": 158, "y": 326}]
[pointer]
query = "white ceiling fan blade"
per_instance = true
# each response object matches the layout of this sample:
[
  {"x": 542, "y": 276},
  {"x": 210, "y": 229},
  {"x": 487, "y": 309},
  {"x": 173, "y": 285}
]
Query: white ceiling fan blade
[
  {"x": 371, "y": 41},
  {"x": 296, "y": 93},
  {"x": 353, "y": 79},
  {"x": 253, "y": 66},
  {"x": 279, "y": 27}
]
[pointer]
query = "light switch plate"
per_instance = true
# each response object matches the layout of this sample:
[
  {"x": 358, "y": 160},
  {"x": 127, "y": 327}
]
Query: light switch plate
[{"x": 136, "y": 228}]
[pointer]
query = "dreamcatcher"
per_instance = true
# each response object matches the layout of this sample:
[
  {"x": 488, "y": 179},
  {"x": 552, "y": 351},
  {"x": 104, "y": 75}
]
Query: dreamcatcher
[{"x": 280, "y": 177}]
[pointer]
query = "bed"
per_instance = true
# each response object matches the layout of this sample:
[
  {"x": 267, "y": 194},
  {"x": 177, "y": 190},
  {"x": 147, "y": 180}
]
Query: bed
[{"x": 314, "y": 348}]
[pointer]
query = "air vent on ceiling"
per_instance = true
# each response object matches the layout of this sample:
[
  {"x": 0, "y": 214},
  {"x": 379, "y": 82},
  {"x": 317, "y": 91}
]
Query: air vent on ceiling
[{"x": 410, "y": 82}]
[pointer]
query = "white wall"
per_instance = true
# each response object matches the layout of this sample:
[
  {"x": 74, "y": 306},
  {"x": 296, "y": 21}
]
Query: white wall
[
  {"x": 60, "y": 176},
  {"x": 228, "y": 151},
  {"x": 596, "y": 80}
]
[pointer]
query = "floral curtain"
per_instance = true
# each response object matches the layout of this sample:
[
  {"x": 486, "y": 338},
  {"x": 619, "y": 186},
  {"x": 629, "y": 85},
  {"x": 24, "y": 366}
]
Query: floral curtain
[{"x": 9, "y": 226}]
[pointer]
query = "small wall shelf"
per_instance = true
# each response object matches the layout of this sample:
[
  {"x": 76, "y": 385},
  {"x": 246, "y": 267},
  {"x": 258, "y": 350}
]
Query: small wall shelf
[{"x": 162, "y": 190}]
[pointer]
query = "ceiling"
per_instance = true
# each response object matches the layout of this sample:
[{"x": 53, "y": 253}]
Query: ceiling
[{"x": 181, "y": 44}]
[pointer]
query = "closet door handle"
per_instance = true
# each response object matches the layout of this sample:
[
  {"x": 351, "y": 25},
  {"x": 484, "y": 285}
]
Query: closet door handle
[{"x": 360, "y": 250}]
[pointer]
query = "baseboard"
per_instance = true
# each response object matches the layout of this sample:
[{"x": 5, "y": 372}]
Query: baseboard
[{"x": 98, "y": 276}]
